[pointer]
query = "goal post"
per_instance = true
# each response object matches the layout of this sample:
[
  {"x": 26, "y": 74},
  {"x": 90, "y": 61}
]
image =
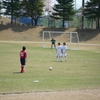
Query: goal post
[{"x": 71, "y": 39}]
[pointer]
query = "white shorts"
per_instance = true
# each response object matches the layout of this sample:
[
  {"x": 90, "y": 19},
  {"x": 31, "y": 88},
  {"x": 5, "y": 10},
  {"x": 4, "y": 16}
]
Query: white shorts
[
  {"x": 63, "y": 54},
  {"x": 58, "y": 54}
]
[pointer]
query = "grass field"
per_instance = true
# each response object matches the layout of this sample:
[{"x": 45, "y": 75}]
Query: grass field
[{"x": 81, "y": 71}]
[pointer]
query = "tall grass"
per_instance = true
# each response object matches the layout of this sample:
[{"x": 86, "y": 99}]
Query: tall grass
[{"x": 81, "y": 71}]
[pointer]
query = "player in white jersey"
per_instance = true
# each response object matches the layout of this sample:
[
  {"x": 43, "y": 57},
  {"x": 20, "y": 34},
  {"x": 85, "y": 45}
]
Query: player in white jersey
[
  {"x": 64, "y": 51},
  {"x": 58, "y": 52}
]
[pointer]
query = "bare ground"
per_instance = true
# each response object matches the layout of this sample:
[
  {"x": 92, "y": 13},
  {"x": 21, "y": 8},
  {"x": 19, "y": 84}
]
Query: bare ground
[{"x": 62, "y": 95}]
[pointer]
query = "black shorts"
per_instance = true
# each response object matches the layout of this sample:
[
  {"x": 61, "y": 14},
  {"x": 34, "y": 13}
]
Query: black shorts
[
  {"x": 22, "y": 61},
  {"x": 53, "y": 43}
]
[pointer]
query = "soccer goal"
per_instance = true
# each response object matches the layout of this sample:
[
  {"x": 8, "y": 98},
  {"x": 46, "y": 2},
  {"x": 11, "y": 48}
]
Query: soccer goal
[{"x": 71, "y": 39}]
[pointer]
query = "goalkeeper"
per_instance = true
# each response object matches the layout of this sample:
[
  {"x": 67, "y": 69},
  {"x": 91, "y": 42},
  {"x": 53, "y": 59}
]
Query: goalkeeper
[{"x": 53, "y": 41}]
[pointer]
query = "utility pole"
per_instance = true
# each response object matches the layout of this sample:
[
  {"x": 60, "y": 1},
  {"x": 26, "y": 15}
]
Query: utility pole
[
  {"x": 75, "y": 4},
  {"x": 82, "y": 14}
]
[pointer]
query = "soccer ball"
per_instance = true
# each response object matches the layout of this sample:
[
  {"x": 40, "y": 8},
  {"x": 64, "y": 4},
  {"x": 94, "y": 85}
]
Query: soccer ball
[{"x": 50, "y": 68}]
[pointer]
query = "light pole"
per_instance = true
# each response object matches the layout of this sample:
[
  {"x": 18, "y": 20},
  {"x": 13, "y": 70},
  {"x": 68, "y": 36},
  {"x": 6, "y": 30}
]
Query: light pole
[
  {"x": 75, "y": 4},
  {"x": 82, "y": 14}
]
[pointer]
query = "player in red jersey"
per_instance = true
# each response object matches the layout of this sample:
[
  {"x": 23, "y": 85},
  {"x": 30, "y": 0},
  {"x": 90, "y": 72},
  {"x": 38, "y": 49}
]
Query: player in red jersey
[{"x": 23, "y": 56}]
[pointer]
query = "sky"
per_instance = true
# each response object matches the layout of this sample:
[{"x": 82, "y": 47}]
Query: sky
[{"x": 79, "y": 3}]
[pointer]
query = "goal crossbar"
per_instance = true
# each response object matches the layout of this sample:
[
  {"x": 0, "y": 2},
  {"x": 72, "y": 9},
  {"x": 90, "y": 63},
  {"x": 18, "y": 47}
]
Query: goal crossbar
[
  {"x": 58, "y": 32},
  {"x": 62, "y": 32}
]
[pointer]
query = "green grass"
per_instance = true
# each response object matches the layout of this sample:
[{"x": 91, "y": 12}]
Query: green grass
[{"x": 81, "y": 71}]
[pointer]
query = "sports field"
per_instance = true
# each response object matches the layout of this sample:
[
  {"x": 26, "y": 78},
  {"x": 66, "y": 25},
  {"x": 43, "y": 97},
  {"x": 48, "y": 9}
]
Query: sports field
[
  {"x": 80, "y": 72},
  {"x": 76, "y": 79}
]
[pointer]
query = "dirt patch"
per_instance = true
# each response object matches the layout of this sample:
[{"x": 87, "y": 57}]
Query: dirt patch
[
  {"x": 4, "y": 20},
  {"x": 62, "y": 95}
]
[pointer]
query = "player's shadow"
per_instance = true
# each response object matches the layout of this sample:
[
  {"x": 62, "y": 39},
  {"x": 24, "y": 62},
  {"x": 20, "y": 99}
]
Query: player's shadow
[{"x": 16, "y": 72}]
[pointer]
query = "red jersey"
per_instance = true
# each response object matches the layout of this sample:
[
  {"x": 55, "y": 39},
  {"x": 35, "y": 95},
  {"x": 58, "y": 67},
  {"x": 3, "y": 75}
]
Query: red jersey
[{"x": 23, "y": 54}]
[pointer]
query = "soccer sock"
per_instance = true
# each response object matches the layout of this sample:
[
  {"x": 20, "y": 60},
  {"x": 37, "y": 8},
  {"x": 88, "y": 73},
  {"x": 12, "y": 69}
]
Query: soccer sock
[
  {"x": 65, "y": 58},
  {"x": 60, "y": 58},
  {"x": 22, "y": 69},
  {"x": 56, "y": 58}
]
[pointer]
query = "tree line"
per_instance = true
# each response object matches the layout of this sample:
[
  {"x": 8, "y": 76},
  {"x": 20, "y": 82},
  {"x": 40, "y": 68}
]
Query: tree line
[{"x": 63, "y": 10}]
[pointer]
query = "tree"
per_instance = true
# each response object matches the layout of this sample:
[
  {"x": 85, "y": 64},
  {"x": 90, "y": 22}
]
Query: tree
[
  {"x": 63, "y": 10},
  {"x": 48, "y": 5},
  {"x": 33, "y": 9},
  {"x": 11, "y": 8},
  {"x": 0, "y": 8},
  {"x": 92, "y": 11}
]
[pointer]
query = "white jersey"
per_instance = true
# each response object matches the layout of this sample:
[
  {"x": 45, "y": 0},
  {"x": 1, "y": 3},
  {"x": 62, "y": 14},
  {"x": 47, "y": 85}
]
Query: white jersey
[
  {"x": 64, "y": 48},
  {"x": 58, "y": 50}
]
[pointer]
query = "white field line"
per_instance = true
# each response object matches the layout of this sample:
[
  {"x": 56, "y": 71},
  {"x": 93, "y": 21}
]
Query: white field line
[
  {"x": 19, "y": 42},
  {"x": 2, "y": 41},
  {"x": 40, "y": 79},
  {"x": 85, "y": 59},
  {"x": 90, "y": 44}
]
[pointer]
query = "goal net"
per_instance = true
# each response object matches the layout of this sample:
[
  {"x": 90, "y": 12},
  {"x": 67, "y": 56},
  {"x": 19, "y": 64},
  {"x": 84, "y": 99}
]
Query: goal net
[{"x": 70, "y": 38}]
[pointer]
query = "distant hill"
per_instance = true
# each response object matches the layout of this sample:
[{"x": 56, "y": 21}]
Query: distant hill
[{"x": 29, "y": 33}]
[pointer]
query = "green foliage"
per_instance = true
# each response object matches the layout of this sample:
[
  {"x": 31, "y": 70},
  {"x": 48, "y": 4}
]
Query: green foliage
[
  {"x": 81, "y": 71},
  {"x": 33, "y": 9},
  {"x": 11, "y": 8},
  {"x": 26, "y": 8},
  {"x": 76, "y": 23},
  {"x": 63, "y": 10},
  {"x": 0, "y": 7},
  {"x": 92, "y": 10}
]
